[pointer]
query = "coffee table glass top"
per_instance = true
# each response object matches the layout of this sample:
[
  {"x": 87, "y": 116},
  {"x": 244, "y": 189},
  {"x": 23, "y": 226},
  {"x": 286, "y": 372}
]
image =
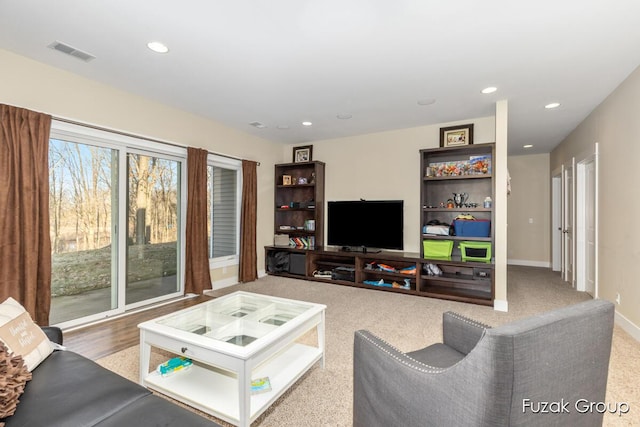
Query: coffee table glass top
[{"x": 238, "y": 318}]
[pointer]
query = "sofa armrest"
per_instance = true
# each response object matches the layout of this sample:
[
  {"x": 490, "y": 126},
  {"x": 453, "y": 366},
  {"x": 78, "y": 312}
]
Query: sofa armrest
[
  {"x": 53, "y": 333},
  {"x": 461, "y": 333}
]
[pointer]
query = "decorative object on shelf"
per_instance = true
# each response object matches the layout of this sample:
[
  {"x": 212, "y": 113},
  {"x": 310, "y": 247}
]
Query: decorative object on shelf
[
  {"x": 281, "y": 240},
  {"x": 460, "y": 199},
  {"x": 302, "y": 154},
  {"x": 455, "y": 136},
  {"x": 302, "y": 180},
  {"x": 286, "y": 179}
]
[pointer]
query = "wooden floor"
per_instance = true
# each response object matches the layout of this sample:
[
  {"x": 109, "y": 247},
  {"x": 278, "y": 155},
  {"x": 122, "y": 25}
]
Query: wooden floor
[{"x": 109, "y": 337}]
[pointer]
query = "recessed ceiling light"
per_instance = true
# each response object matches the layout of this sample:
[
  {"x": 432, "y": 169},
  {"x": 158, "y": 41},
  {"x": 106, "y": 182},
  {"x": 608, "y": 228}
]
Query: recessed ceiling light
[
  {"x": 158, "y": 47},
  {"x": 527, "y": 146},
  {"x": 426, "y": 101},
  {"x": 489, "y": 89},
  {"x": 306, "y": 123},
  {"x": 344, "y": 116},
  {"x": 282, "y": 127},
  {"x": 552, "y": 105},
  {"x": 258, "y": 125}
]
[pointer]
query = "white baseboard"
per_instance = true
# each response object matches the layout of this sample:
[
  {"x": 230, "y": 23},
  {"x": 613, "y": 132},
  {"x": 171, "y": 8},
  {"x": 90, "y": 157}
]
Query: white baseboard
[
  {"x": 628, "y": 326},
  {"x": 501, "y": 305},
  {"x": 528, "y": 263},
  {"x": 224, "y": 283}
]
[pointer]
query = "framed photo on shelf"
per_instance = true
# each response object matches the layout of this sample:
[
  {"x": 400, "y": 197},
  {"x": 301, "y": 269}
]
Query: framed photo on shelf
[
  {"x": 286, "y": 179},
  {"x": 455, "y": 136},
  {"x": 302, "y": 154}
]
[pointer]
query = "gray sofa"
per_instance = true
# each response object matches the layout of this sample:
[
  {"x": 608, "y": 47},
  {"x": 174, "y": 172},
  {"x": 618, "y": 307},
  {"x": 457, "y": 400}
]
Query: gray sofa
[
  {"x": 556, "y": 362},
  {"x": 69, "y": 390}
]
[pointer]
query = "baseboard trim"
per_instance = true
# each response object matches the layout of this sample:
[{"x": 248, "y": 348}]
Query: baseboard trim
[
  {"x": 224, "y": 283},
  {"x": 528, "y": 263},
  {"x": 628, "y": 326},
  {"x": 501, "y": 305}
]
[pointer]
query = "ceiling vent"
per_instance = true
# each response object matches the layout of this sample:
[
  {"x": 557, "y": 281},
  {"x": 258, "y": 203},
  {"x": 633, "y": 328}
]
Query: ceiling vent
[
  {"x": 258, "y": 125},
  {"x": 76, "y": 53}
]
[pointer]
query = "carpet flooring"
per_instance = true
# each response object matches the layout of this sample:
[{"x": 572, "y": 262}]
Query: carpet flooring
[{"x": 323, "y": 397}]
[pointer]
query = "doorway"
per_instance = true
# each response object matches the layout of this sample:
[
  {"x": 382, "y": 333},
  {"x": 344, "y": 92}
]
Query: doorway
[
  {"x": 556, "y": 220},
  {"x": 586, "y": 224},
  {"x": 568, "y": 221}
]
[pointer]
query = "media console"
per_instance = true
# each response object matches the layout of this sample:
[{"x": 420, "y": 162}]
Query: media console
[{"x": 403, "y": 272}]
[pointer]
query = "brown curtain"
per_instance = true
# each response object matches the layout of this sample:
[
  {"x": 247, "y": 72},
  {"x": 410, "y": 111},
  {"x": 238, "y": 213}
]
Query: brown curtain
[
  {"x": 197, "y": 276},
  {"x": 248, "y": 258},
  {"x": 25, "y": 244}
]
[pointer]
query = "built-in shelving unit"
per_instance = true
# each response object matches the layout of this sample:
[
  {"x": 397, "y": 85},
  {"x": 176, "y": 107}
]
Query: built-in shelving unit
[
  {"x": 299, "y": 202},
  {"x": 459, "y": 280},
  {"x": 444, "y": 172}
]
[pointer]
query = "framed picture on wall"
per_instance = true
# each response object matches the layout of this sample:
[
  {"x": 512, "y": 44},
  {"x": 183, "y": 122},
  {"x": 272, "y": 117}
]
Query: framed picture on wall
[
  {"x": 302, "y": 154},
  {"x": 455, "y": 136}
]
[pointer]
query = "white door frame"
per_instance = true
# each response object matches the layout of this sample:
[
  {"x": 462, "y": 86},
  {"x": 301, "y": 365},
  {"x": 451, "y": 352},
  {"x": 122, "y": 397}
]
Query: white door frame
[
  {"x": 583, "y": 257},
  {"x": 568, "y": 222},
  {"x": 556, "y": 220}
]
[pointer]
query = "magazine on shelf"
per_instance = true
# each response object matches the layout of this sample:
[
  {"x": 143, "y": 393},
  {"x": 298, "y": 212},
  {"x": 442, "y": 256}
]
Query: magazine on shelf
[{"x": 260, "y": 385}]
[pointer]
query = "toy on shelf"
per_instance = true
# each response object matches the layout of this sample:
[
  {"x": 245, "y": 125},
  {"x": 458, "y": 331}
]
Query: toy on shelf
[
  {"x": 382, "y": 283},
  {"x": 174, "y": 365}
]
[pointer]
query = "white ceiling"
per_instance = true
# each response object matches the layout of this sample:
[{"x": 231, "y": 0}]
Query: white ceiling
[{"x": 280, "y": 62}]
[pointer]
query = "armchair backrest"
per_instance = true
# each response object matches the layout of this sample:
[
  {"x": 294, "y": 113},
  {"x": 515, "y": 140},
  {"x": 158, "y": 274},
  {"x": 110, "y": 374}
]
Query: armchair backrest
[{"x": 559, "y": 362}]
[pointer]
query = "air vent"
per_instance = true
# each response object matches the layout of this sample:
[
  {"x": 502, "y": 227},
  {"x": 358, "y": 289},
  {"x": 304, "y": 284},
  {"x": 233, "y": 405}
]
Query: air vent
[
  {"x": 76, "y": 53},
  {"x": 258, "y": 125}
]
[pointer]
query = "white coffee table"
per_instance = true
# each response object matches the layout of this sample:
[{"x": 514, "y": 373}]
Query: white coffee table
[{"x": 233, "y": 340}]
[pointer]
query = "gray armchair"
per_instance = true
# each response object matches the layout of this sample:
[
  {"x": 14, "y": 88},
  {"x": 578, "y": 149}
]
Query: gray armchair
[{"x": 481, "y": 376}]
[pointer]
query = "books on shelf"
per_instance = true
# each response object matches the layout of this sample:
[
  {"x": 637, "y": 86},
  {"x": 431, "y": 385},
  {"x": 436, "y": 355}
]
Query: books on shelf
[
  {"x": 303, "y": 242},
  {"x": 260, "y": 385}
]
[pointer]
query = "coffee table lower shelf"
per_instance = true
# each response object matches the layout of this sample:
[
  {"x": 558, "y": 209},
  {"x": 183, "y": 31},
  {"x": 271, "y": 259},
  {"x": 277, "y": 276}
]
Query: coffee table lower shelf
[{"x": 215, "y": 391}]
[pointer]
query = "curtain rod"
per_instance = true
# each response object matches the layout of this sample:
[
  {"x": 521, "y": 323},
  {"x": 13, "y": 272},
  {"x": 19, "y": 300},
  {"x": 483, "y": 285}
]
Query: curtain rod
[{"x": 131, "y": 135}]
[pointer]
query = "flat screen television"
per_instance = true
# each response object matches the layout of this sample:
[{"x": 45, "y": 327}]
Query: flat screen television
[{"x": 365, "y": 224}]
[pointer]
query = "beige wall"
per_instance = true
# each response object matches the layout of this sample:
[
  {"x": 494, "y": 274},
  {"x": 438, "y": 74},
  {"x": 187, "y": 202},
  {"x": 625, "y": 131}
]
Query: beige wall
[
  {"x": 385, "y": 165},
  {"x": 529, "y": 242},
  {"x": 29, "y": 84},
  {"x": 615, "y": 126}
]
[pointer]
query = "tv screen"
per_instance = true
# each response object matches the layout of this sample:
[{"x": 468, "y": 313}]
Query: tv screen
[{"x": 370, "y": 224}]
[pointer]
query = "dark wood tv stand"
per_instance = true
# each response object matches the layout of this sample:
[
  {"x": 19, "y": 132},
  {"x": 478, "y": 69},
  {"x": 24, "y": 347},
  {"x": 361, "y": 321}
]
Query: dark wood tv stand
[{"x": 460, "y": 281}]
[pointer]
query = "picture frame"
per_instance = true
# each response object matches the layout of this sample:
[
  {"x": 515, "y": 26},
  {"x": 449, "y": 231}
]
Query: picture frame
[
  {"x": 302, "y": 154},
  {"x": 456, "y": 136},
  {"x": 286, "y": 179}
]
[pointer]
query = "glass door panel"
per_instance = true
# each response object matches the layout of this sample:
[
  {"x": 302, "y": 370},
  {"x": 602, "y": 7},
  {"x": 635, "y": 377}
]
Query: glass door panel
[
  {"x": 153, "y": 218},
  {"x": 83, "y": 218}
]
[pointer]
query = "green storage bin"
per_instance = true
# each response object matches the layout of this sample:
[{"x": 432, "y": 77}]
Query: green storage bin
[
  {"x": 475, "y": 251},
  {"x": 437, "y": 249}
]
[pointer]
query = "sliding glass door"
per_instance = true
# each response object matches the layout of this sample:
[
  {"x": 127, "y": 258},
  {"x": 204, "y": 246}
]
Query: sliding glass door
[{"x": 115, "y": 214}]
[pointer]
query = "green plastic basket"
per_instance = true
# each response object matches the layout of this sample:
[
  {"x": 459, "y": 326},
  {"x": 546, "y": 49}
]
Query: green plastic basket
[
  {"x": 475, "y": 251},
  {"x": 438, "y": 249}
]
